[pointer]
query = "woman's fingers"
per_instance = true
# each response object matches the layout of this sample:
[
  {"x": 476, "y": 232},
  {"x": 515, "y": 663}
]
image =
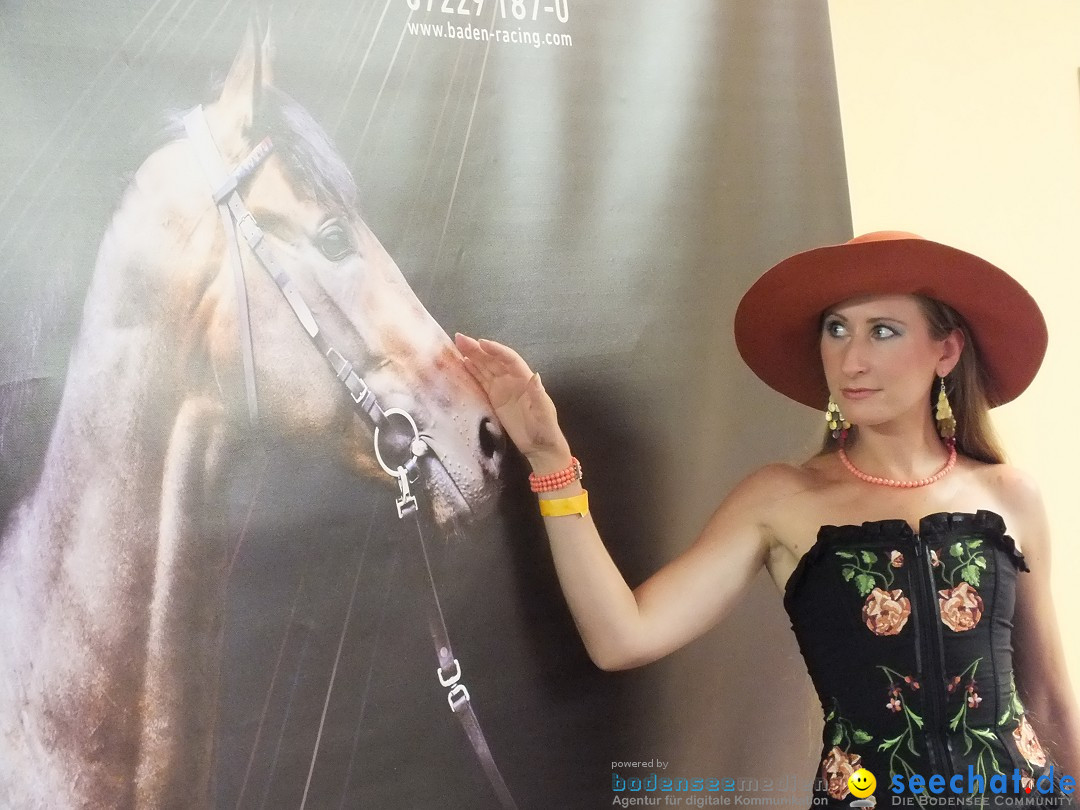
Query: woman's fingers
[
  {"x": 505, "y": 354},
  {"x": 496, "y": 358}
]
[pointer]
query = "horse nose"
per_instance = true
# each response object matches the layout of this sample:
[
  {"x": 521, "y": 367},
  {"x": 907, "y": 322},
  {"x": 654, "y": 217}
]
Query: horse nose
[{"x": 492, "y": 443}]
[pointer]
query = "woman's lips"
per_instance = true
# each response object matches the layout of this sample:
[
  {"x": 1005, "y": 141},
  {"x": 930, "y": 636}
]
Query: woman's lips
[{"x": 858, "y": 393}]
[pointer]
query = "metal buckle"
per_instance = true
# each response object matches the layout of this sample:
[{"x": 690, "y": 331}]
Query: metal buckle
[
  {"x": 247, "y": 225},
  {"x": 452, "y": 680},
  {"x": 457, "y": 697},
  {"x": 406, "y": 501}
]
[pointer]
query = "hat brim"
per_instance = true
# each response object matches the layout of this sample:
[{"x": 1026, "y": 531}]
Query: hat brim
[{"x": 778, "y": 321}]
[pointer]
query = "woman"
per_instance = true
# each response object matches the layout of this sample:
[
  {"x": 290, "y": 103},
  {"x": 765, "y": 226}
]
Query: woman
[{"x": 909, "y": 604}]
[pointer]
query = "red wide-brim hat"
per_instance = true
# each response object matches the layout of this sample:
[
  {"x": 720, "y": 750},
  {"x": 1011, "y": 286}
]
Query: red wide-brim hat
[{"x": 778, "y": 322}]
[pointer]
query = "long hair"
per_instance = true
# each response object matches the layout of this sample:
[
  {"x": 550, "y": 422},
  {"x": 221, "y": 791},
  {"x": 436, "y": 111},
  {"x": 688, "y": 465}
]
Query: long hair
[{"x": 966, "y": 386}]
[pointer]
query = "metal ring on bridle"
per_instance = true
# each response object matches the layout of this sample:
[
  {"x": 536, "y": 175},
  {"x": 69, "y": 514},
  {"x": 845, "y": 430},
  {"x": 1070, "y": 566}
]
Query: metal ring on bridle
[{"x": 417, "y": 446}]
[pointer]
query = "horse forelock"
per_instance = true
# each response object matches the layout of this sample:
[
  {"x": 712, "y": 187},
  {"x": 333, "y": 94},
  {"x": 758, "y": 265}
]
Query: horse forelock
[{"x": 305, "y": 150}]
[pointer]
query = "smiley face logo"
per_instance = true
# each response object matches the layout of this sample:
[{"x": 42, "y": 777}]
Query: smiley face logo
[{"x": 862, "y": 783}]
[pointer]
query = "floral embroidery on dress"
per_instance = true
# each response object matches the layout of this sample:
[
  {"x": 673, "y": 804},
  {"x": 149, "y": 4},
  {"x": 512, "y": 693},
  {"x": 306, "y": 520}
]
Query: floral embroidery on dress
[
  {"x": 960, "y": 604},
  {"x": 1028, "y": 743},
  {"x": 904, "y": 742},
  {"x": 839, "y": 764},
  {"x": 836, "y": 770},
  {"x": 885, "y": 611},
  {"x": 961, "y": 607},
  {"x": 965, "y": 685}
]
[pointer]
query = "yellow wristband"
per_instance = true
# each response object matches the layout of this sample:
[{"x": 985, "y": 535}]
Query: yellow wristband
[{"x": 557, "y": 507}]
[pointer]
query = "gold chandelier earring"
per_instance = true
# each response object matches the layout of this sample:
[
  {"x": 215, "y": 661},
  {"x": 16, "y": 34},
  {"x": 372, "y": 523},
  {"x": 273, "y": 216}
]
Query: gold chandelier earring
[
  {"x": 836, "y": 421},
  {"x": 946, "y": 422}
]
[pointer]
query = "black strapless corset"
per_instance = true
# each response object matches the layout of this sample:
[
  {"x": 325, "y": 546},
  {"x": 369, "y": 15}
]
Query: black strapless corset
[{"x": 908, "y": 641}]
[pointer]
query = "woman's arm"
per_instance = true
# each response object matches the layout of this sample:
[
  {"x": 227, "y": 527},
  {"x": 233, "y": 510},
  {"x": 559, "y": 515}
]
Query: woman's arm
[
  {"x": 1039, "y": 659},
  {"x": 624, "y": 628}
]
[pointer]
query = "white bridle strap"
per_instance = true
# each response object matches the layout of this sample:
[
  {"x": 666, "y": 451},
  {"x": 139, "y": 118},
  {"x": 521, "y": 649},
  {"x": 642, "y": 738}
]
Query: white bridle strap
[{"x": 223, "y": 184}]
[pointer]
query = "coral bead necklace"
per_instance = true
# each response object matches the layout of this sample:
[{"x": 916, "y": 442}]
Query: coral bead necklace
[{"x": 892, "y": 482}]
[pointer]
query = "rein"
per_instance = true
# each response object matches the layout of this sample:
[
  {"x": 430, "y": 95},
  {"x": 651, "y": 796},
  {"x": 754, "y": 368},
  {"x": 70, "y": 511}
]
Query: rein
[{"x": 235, "y": 216}]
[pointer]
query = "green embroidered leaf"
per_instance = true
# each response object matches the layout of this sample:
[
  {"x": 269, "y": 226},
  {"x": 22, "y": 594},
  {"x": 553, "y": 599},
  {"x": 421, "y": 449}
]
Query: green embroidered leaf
[
  {"x": 837, "y": 735},
  {"x": 974, "y": 543},
  {"x": 1005, "y": 717},
  {"x": 911, "y": 746},
  {"x": 956, "y": 550},
  {"x": 980, "y": 561},
  {"x": 984, "y": 734},
  {"x": 869, "y": 557},
  {"x": 970, "y": 575},
  {"x": 1017, "y": 706},
  {"x": 914, "y": 717},
  {"x": 967, "y": 744},
  {"x": 847, "y": 555},
  {"x": 830, "y": 715},
  {"x": 865, "y": 584},
  {"x": 956, "y": 720},
  {"x": 885, "y": 746},
  {"x": 848, "y": 572},
  {"x": 861, "y": 737}
]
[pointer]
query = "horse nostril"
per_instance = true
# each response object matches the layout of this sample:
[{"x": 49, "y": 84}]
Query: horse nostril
[{"x": 492, "y": 439}]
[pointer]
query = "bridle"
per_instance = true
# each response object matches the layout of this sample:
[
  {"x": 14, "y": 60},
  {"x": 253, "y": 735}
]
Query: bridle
[{"x": 235, "y": 216}]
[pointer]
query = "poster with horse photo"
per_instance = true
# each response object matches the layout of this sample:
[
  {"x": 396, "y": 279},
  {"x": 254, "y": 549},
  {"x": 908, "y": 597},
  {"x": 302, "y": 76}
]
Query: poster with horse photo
[{"x": 264, "y": 543}]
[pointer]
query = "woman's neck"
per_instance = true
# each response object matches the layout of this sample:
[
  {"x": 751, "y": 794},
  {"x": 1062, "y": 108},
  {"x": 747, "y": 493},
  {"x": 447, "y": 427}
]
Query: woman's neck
[{"x": 901, "y": 453}]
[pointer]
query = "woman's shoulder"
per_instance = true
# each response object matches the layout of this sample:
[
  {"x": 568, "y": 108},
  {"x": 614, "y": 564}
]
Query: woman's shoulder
[
  {"x": 1014, "y": 494},
  {"x": 775, "y": 487},
  {"x": 782, "y": 478},
  {"x": 1014, "y": 487}
]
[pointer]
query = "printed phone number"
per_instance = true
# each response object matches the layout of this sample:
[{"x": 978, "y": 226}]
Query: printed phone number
[{"x": 507, "y": 9}]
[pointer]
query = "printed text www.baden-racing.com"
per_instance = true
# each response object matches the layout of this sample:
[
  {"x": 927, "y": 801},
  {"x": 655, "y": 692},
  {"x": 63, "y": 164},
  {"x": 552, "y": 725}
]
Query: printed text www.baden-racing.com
[{"x": 476, "y": 34}]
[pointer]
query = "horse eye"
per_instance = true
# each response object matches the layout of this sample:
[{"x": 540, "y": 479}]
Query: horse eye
[{"x": 333, "y": 242}]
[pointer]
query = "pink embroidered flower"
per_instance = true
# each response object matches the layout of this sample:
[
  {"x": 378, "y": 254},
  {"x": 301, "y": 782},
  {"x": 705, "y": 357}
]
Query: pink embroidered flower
[
  {"x": 961, "y": 607},
  {"x": 1027, "y": 781},
  {"x": 886, "y": 612},
  {"x": 1028, "y": 744},
  {"x": 894, "y": 704},
  {"x": 973, "y": 700},
  {"x": 896, "y": 559},
  {"x": 934, "y": 558},
  {"x": 836, "y": 769}
]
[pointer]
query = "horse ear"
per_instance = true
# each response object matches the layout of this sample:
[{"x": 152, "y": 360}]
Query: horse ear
[
  {"x": 266, "y": 58},
  {"x": 249, "y": 74}
]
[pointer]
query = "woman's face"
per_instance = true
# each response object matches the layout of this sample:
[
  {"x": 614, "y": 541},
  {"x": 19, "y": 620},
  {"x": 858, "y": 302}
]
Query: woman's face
[{"x": 880, "y": 359}]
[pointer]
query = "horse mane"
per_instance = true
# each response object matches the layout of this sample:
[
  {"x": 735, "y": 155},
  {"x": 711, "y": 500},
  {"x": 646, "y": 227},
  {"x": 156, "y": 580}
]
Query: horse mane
[
  {"x": 310, "y": 159},
  {"x": 303, "y": 146}
]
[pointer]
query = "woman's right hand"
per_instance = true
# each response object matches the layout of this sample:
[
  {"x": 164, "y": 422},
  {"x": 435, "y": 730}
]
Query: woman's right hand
[{"x": 523, "y": 406}]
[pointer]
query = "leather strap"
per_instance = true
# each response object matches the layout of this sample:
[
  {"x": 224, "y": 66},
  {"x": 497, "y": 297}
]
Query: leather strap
[
  {"x": 220, "y": 179},
  {"x": 451, "y": 677}
]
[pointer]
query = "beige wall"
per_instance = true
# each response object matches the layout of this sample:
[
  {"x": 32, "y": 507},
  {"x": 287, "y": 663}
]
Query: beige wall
[{"x": 962, "y": 123}]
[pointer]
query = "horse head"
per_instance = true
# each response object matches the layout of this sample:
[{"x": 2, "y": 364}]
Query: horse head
[{"x": 304, "y": 200}]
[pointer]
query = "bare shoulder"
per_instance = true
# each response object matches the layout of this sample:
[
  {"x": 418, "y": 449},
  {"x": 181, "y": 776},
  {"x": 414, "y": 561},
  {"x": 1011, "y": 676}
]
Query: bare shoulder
[
  {"x": 1018, "y": 493},
  {"x": 773, "y": 484},
  {"x": 776, "y": 500}
]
